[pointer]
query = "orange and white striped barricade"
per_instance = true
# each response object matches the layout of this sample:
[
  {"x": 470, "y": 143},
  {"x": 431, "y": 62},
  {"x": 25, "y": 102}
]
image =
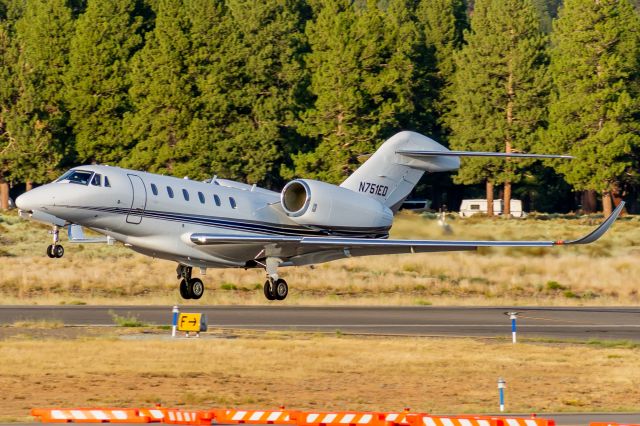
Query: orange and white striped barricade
[
  {"x": 515, "y": 421},
  {"x": 175, "y": 416},
  {"x": 263, "y": 417},
  {"x": 613, "y": 424},
  {"x": 89, "y": 415},
  {"x": 400, "y": 418},
  {"x": 428, "y": 420},
  {"x": 155, "y": 415},
  {"x": 341, "y": 418}
]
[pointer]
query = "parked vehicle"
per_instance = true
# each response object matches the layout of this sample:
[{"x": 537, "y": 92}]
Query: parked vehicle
[{"x": 471, "y": 207}]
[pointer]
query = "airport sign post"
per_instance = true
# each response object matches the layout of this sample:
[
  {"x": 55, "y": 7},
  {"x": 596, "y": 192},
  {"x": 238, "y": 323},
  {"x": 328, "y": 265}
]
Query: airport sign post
[
  {"x": 192, "y": 322},
  {"x": 501, "y": 386}
]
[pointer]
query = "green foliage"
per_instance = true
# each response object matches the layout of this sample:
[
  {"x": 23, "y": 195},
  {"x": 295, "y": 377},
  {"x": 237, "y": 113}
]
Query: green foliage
[
  {"x": 35, "y": 118},
  {"x": 362, "y": 83},
  {"x": 97, "y": 80},
  {"x": 499, "y": 89},
  {"x": 126, "y": 320},
  {"x": 593, "y": 112}
]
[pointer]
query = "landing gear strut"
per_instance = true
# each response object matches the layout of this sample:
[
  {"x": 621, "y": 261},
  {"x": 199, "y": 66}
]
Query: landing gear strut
[
  {"x": 275, "y": 288},
  {"x": 55, "y": 250},
  {"x": 190, "y": 288}
]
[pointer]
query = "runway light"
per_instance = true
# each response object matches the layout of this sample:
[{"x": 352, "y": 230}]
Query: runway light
[{"x": 513, "y": 316}]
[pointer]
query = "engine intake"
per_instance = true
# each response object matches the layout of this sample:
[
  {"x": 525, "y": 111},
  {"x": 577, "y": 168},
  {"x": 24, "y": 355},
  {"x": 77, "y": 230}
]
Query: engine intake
[{"x": 320, "y": 204}]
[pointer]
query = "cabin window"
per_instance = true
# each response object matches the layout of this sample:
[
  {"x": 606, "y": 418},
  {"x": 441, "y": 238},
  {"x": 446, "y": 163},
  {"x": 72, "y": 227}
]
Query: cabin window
[
  {"x": 96, "y": 181},
  {"x": 185, "y": 194},
  {"x": 216, "y": 200},
  {"x": 170, "y": 192},
  {"x": 232, "y": 202},
  {"x": 106, "y": 182},
  {"x": 154, "y": 189},
  {"x": 475, "y": 206},
  {"x": 201, "y": 197}
]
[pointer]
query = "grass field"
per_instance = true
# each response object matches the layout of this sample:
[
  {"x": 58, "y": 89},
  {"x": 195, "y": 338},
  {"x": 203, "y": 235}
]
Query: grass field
[
  {"x": 306, "y": 371},
  {"x": 604, "y": 273}
]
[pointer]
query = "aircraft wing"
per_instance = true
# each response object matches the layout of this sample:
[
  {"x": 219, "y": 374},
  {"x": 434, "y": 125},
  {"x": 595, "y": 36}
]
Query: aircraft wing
[{"x": 298, "y": 246}]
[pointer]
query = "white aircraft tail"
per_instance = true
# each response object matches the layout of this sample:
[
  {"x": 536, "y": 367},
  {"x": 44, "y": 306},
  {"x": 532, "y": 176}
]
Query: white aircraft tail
[
  {"x": 389, "y": 176},
  {"x": 392, "y": 172}
]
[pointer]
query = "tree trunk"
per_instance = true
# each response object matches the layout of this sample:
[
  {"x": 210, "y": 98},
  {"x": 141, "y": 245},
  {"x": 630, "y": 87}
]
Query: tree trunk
[
  {"x": 490, "y": 212},
  {"x": 4, "y": 195},
  {"x": 589, "y": 201},
  {"x": 506, "y": 209},
  {"x": 29, "y": 186},
  {"x": 607, "y": 203}
]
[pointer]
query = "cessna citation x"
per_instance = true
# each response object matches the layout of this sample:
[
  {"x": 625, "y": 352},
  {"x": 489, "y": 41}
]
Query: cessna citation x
[{"x": 225, "y": 224}]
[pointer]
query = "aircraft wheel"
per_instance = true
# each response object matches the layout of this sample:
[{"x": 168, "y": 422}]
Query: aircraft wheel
[
  {"x": 58, "y": 251},
  {"x": 281, "y": 289},
  {"x": 50, "y": 251},
  {"x": 184, "y": 290},
  {"x": 196, "y": 288},
  {"x": 268, "y": 293}
]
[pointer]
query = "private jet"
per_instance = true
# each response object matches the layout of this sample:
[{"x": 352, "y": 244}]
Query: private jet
[{"x": 221, "y": 223}]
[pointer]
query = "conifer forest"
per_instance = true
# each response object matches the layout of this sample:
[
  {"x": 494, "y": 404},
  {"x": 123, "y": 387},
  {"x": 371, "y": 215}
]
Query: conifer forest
[{"x": 266, "y": 91}]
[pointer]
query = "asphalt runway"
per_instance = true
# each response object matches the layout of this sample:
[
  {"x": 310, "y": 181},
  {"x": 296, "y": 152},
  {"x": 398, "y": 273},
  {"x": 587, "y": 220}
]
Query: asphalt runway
[{"x": 537, "y": 322}]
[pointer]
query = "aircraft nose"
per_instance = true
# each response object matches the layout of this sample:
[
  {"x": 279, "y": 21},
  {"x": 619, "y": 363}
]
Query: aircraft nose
[{"x": 34, "y": 199}]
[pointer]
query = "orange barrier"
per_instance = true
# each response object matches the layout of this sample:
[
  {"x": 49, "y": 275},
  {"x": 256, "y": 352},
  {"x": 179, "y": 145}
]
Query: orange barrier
[
  {"x": 90, "y": 415},
  {"x": 279, "y": 417},
  {"x": 612, "y": 424}
]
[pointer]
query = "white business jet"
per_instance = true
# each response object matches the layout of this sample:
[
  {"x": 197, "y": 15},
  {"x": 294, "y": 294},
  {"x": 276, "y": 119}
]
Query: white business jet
[{"x": 225, "y": 224}]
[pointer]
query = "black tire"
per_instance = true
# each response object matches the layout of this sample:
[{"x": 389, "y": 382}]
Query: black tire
[
  {"x": 50, "y": 251},
  {"x": 267, "y": 290},
  {"x": 184, "y": 290},
  {"x": 281, "y": 289},
  {"x": 58, "y": 251},
  {"x": 196, "y": 288}
]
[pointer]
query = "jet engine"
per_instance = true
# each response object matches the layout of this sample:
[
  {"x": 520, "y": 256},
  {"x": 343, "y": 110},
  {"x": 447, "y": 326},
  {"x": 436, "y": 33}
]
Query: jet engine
[{"x": 315, "y": 203}]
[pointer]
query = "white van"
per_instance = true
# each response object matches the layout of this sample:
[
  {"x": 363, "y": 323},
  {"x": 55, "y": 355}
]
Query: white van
[{"x": 471, "y": 207}]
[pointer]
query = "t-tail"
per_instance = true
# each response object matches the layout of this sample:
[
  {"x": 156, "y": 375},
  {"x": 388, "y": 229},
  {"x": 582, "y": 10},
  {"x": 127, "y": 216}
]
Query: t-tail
[{"x": 392, "y": 172}]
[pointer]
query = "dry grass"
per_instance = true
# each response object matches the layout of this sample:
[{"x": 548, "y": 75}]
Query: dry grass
[
  {"x": 318, "y": 372},
  {"x": 604, "y": 273}
]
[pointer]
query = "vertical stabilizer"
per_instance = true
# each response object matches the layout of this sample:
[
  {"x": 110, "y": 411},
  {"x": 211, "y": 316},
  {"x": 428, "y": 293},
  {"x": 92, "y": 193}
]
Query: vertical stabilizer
[{"x": 389, "y": 176}]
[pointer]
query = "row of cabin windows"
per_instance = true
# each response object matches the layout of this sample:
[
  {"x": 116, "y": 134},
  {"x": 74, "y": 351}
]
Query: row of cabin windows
[{"x": 201, "y": 197}]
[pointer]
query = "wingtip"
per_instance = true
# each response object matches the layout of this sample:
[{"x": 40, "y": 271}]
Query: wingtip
[{"x": 601, "y": 229}]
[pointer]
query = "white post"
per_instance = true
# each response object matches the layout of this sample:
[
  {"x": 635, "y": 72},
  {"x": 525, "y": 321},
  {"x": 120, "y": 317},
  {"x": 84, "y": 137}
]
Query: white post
[
  {"x": 174, "y": 326},
  {"x": 513, "y": 316},
  {"x": 501, "y": 386}
]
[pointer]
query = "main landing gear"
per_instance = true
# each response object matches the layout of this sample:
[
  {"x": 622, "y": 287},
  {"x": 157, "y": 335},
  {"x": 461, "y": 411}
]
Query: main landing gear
[
  {"x": 190, "y": 288},
  {"x": 275, "y": 288},
  {"x": 55, "y": 250}
]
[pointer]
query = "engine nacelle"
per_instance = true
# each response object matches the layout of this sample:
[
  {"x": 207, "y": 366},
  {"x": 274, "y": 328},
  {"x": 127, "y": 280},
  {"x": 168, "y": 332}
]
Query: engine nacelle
[{"x": 311, "y": 202}]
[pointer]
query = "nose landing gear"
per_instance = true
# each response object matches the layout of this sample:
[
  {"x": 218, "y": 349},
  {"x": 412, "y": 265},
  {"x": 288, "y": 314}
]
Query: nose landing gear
[
  {"x": 190, "y": 288},
  {"x": 55, "y": 250}
]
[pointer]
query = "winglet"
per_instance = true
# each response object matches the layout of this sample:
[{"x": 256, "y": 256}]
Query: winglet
[{"x": 599, "y": 231}]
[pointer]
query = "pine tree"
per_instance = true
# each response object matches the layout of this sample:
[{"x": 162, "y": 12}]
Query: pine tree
[
  {"x": 254, "y": 90},
  {"x": 362, "y": 81},
  {"x": 162, "y": 91},
  {"x": 593, "y": 112},
  {"x": 37, "y": 120},
  {"x": 500, "y": 87},
  {"x": 97, "y": 81}
]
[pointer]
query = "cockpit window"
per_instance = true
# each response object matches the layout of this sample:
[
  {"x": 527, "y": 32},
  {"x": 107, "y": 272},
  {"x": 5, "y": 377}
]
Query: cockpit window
[
  {"x": 96, "y": 181},
  {"x": 81, "y": 177},
  {"x": 106, "y": 182}
]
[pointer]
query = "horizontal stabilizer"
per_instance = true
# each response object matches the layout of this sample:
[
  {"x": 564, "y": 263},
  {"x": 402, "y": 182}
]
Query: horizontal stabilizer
[
  {"x": 365, "y": 246},
  {"x": 421, "y": 154}
]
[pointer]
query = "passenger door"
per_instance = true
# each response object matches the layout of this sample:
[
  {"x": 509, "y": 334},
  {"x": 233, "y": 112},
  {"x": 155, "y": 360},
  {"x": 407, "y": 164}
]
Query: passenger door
[{"x": 139, "y": 199}]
